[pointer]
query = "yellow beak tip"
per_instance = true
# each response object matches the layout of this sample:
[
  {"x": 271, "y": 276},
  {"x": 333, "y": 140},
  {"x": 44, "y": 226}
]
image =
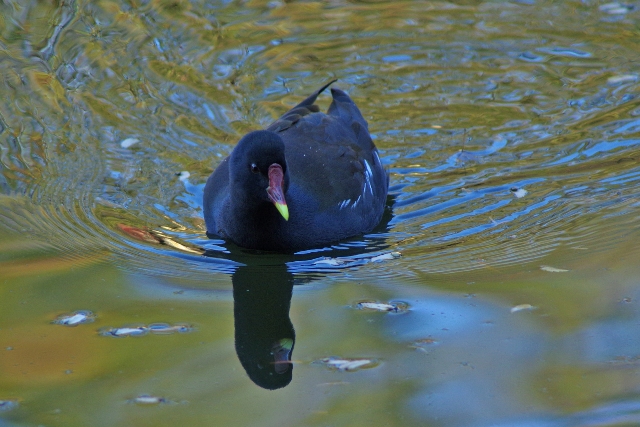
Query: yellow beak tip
[{"x": 284, "y": 211}]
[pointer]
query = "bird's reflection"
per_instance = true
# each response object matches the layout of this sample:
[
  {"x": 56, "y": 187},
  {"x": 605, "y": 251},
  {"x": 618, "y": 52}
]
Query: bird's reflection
[
  {"x": 262, "y": 289},
  {"x": 264, "y": 334}
]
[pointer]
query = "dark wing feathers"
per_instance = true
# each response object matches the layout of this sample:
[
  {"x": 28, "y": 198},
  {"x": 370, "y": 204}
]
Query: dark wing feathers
[
  {"x": 344, "y": 107},
  {"x": 341, "y": 136},
  {"x": 340, "y": 164}
]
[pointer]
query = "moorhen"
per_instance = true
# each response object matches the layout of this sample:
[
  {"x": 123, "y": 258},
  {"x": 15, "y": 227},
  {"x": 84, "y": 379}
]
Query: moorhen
[{"x": 308, "y": 180}]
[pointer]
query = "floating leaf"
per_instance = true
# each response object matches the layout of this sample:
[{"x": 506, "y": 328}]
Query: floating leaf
[
  {"x": 126, "y": 143},
  {"x": 138, "y": 330},
  {"x": 615, "y": 8},
  {"x": 76, "y": 318},
  {"x": 146, "y": 399},
  {"x": 342, "y": 261},
  {"x": 124, "y": 331},
  {"x": 348, "y": 365},
  {"x": 396, "y": 307},
  {"x": 519, "y": 192},
  {"x": 522, "y": 307},
  {"x": 376, "y": 306},
  {"x": 165, "y": 328},
  {"x": 388, "y": 255},
  {"x": 138, "y": 233},
  {"x": 552, "y": 269},
  {"x": 332, "y": 261}
]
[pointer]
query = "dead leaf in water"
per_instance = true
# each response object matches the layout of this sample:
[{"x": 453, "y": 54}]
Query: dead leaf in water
[
  {"x": 348, "y": 365},
  {"x": 391, "y": 306},
  {"x": 552, "y": 269},
  {"x": 522, "y": 307}
]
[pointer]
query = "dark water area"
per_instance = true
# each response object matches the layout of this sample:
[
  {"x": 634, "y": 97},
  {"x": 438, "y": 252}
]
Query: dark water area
[{"x": 502, "y": 288}]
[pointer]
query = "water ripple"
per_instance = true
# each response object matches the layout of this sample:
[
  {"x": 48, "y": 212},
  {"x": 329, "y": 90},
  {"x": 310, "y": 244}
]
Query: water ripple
[{"x": 458, "y": 129}]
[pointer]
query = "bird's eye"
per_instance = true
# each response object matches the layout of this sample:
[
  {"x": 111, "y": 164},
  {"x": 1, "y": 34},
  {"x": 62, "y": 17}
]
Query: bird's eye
[{"x": 254, "y": 168}]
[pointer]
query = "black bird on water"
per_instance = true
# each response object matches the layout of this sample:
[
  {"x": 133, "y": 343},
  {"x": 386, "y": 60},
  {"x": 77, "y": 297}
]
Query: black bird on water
[{"x": 308, "y": 180}]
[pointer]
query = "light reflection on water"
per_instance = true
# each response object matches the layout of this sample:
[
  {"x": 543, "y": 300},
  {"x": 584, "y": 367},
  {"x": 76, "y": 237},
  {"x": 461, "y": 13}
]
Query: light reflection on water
[{"x": 465, "y": 101}]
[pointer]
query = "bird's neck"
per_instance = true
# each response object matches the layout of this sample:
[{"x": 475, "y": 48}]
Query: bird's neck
[{"x": 258, "y": 223}]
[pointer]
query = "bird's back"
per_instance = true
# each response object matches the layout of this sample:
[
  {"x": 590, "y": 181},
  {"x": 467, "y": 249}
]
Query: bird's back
[{"x": 337, "y": 182}]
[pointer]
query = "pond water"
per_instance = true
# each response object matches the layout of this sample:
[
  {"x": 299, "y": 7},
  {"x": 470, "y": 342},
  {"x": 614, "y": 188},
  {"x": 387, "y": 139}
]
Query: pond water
[{"x": 502, "y": 289}]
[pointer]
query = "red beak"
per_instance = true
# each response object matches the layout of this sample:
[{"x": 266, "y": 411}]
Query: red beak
[{"x": 275, "y": 191}]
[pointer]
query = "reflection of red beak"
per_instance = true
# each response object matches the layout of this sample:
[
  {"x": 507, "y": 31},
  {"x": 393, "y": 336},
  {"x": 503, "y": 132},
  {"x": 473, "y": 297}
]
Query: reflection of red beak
[
  {"x": 275, "y": 191},
  {"x": 281, "y": 352}
]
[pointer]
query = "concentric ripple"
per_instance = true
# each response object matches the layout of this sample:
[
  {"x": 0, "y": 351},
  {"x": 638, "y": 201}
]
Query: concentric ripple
[{"x": 499, "y": 153}]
